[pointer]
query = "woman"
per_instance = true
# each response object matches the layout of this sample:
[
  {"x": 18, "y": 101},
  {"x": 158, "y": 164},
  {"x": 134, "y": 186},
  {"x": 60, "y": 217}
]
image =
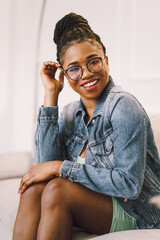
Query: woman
[{"x": 97, "y": 166}]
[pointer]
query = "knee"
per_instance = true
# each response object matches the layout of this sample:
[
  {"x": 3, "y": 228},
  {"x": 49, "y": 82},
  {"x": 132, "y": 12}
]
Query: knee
[
  {"x": 33, "y": 191},
  {"x": 54, "y": 193}
]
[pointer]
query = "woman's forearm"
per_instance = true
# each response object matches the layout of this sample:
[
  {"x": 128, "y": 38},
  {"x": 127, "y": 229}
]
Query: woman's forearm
[{"x": 50, "y": 99}]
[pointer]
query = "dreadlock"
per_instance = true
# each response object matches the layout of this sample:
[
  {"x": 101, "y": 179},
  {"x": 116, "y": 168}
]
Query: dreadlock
[{"x": 70, "y": 28}]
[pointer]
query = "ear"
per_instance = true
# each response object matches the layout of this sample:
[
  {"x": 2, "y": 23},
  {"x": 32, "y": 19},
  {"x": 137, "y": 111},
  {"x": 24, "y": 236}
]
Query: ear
[{"x": 106, "y": 60}]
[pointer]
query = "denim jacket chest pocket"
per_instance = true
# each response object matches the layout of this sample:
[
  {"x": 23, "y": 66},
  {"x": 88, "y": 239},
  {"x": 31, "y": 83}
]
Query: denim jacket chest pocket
[
  {"x": 102, "y": 153},
  {"x": 73, "y": 146}
]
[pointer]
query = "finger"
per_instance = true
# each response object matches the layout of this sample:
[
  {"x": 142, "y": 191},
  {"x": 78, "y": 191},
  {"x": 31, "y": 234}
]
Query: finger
[
  {"x": 53, "y": 68},
  {"x": 50, "y": 66},
  {"x": 21, "y": 183},
  {"x": 54, "y": 64},
  {"x": 61, "y": 76},
  {"x": 26, "y": 185},
  {"x": 49, "y": 72},
  {"x": 23, "y": 180},
  {"x": 57, "y": 65},
  {"x": 20, "y": 186},
  {"x": 49, "y": 62}
]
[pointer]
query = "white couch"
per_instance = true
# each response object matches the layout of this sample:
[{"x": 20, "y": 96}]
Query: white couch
[{"x": 14, "y": 165}]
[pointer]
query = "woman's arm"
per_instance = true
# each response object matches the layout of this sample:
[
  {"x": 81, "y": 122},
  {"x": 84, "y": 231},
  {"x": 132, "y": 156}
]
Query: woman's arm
[
  {"x": 47, "y": 131},
  {"x": 49, "y": 148}
]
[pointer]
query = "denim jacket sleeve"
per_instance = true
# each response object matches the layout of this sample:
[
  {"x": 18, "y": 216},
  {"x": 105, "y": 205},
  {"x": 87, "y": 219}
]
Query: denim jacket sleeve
[
  {"x": 47, "y": 143},
  {"x": 128, "y": 121}
]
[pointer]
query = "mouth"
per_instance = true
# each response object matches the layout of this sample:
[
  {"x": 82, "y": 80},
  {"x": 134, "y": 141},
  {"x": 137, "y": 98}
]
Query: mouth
[{"x": 90, "y": 84}]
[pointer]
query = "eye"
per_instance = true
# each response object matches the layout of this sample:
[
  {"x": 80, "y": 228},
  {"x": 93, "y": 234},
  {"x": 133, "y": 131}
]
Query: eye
[
  {"x": 73, "y": 69},
  {"x": 94, "y": 62}
]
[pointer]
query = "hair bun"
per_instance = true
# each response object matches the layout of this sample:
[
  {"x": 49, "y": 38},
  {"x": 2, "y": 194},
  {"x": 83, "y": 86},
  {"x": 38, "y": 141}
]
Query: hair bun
[{"x": 67, "y": 23}]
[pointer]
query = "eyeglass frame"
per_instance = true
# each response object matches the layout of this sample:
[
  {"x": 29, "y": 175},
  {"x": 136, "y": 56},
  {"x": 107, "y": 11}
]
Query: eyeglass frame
[{"x": 65, "y": 71}]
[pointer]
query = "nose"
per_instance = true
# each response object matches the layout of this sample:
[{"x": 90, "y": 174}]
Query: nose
[{"x": 86, "y": 73}]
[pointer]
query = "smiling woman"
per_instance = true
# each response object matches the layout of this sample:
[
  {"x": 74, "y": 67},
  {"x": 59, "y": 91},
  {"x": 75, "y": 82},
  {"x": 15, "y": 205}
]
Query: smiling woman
[{"x": 97, "y": 165}]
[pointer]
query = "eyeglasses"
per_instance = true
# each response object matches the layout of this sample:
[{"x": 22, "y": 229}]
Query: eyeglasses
[{"x": 94, "y": 65}]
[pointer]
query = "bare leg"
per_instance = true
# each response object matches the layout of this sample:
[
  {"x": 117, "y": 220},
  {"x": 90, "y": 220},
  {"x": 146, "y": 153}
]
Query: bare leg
[
  {"x": 65, "y": 203},
  {"x": 28, "y": 215}
]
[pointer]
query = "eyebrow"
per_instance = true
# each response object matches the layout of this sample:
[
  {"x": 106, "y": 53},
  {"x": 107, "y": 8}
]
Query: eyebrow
[{"x": 88, "y": 57}]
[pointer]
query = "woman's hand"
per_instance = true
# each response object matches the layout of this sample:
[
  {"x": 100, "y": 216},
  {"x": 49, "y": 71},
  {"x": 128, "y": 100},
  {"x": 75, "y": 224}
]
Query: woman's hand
[
  {"x": 40, "y": 172},
  {"x": 52, "y": 86}
]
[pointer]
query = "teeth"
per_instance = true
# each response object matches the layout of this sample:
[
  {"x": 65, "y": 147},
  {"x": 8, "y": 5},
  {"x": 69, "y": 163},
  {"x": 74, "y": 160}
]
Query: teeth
[{"x": 90, "y": 84}]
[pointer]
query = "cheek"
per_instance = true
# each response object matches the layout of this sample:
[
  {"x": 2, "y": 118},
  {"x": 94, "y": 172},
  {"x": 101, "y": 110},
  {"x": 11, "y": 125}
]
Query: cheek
[
  {"x": 72, "y": 84},
  {"x": 105, "y": 77},
  {"x": 105, "y": 71}
]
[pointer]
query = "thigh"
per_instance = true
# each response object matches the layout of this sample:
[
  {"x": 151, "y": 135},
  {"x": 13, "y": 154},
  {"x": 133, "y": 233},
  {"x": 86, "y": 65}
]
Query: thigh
[{"x": 90, "y": 210}]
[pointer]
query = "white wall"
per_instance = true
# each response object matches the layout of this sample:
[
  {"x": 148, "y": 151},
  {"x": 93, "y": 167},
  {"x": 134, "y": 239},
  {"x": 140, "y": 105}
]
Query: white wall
[
  {"x": 129, "y": 30},
  {"x": 18, "y": 32}
]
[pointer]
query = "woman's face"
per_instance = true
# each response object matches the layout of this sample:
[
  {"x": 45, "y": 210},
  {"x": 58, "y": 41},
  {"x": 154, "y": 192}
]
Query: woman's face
[{"x": 90, "y": 85}]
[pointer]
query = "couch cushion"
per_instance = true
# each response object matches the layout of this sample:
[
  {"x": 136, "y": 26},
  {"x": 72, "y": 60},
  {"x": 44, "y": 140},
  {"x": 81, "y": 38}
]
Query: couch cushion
[
  {"x": 151, "y": 234},
  {"x": 79, "y": 234},
  {"x": 15, "y": 164},
  {"x": 9, "y": 199}
]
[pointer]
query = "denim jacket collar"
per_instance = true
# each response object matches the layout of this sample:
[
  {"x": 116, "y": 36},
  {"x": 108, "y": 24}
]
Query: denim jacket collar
[{"x": 99, "y": 107}]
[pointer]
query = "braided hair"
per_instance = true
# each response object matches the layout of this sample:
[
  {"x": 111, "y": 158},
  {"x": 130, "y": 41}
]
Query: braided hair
[{"x": 73, "y": 28}]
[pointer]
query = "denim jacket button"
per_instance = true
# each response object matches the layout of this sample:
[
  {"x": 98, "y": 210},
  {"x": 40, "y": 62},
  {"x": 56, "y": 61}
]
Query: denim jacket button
[
  {"x": 126, "y": 200},
  {"x": 107, "y": 150},
  {"x": 93, "y": 164},
  {"x": 67, "y": 176},
  {"x": 93, "y": 121}
]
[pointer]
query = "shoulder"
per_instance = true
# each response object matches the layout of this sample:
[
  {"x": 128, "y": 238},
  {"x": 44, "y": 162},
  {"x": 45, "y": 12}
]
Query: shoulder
[
  {"x": 121, "y": 104},
  {"x": 121, "y": 99}
]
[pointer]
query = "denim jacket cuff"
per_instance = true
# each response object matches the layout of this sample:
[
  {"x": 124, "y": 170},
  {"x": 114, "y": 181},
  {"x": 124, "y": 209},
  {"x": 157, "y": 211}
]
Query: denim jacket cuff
[
  {"x": 46, "y": 113},
  {"x": 69, "y": 170}
]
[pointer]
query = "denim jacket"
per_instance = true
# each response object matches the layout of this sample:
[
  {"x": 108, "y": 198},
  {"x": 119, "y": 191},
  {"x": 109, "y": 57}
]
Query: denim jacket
[{"x": 121, "y": 156}]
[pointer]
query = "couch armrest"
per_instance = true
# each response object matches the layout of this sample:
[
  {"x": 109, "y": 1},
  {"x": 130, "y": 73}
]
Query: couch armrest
[{"x": 15, "y": 164}]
